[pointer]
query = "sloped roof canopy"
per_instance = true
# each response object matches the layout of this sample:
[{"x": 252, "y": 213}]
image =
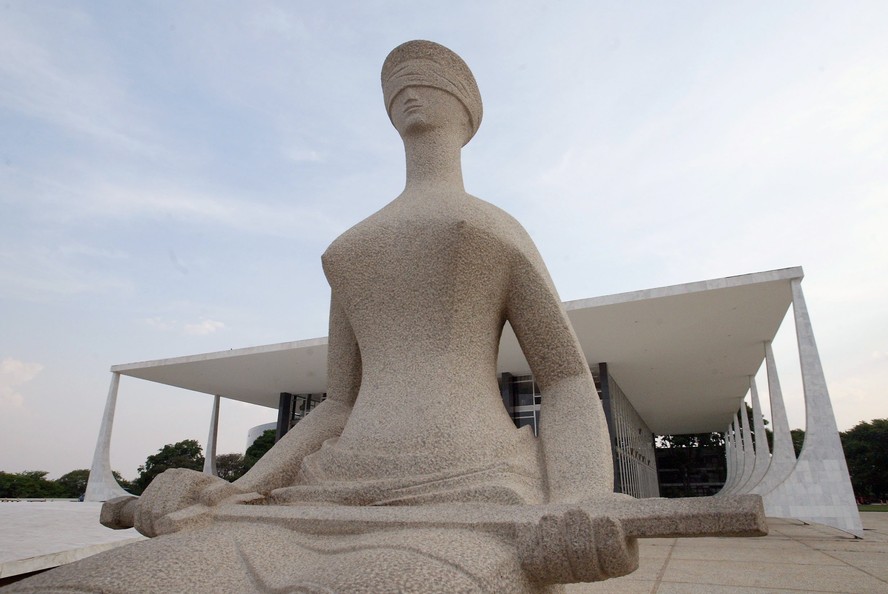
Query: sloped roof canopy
[{"x": 682, "y": 354}]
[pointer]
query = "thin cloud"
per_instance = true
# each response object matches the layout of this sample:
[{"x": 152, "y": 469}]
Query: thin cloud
[
  {"x": 204, "y": 327},
  {"x": 301, "y": 155},
  {"x": 14, "y": 373},
  {"x": 87, "y": 251},
  {"x": 161, "y": 324},
  {"x": 139, "y": 198},
  {"x": 39, "y": 79},
  {"x": 37, "y": 272}
]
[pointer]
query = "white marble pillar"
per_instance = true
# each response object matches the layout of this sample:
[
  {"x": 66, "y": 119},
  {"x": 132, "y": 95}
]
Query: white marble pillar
[
  {"x": 210, "y": 454},
  {"x": 736, "y": 455},
  {"x": 762, "y": 451},
  {"x": 818, "y": 489},
  {"x": 748, "y": 451},
  {"x": 783, "y": 457},
  {"x": 102, "y": 485},
  {"x": 729, "y": 463}
]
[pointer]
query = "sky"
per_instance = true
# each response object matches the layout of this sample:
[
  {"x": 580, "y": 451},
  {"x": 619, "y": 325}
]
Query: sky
[{"x": 171, "y": 172}]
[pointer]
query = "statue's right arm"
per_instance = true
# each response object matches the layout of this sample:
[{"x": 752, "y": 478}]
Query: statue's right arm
[
  {"x": 179, "y": 488},
  {"x": 279, "y": 467}
]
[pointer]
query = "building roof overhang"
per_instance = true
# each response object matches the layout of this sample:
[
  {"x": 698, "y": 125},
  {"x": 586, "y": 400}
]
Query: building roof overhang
[{"x": 682, "y": 354}]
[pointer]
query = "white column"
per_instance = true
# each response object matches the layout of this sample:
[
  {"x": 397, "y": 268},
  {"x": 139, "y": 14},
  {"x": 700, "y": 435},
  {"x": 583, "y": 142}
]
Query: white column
[
  {"x": 762, "y": 451},
  {"x": 210, "y": 454},
  {"x": 732, "y": 467},
  {"x": 783, "y": 457},
  {"x": 729, "y": 467},
  {"x": 819, "y": 488},
  {"x": 748, "y": 451},
  {"x": 736, "y": 456},
  {"x": 102, "y": 485},
  {"x": 737, "y": 444}
]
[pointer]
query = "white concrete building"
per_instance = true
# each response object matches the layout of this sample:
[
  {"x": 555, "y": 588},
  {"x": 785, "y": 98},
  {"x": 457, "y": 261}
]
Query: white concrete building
[{"x": 669, "y": 360}]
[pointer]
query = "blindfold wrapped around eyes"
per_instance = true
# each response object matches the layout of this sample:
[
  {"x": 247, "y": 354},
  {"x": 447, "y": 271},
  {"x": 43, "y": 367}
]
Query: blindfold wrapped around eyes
[{"x": 428, "y": 64}]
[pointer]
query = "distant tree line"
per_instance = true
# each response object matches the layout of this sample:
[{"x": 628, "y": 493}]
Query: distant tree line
[
  {"x": 34, "y": 484},
  {"x": 183, "y": 454},
  {"x": 866, "y": 451},
  {"x": 188, "y": 454}
]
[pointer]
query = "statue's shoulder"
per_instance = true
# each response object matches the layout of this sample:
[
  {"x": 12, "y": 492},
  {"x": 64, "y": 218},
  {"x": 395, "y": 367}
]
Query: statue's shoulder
[
  {"x": 355, "y": 235},
  {"x": 503, "y": 224}
]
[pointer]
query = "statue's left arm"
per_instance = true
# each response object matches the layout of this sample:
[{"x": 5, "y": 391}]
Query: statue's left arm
[{"x": 573, "y": 431}]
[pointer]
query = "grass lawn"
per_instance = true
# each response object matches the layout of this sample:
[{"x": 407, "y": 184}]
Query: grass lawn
[{"x": 875, "y": 508}]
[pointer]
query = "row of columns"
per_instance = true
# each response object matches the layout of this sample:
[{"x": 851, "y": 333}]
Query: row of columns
[{"x": 815, "y": 487}]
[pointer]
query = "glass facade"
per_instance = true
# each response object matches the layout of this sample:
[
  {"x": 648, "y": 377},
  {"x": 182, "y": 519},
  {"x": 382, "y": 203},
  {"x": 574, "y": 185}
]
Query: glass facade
[
  {"x": 525, "y": 403},
  {"x": 293, "y": 408},
  {"x": 692, "y": 471},
  {"x": 632, "y": 443},
  {"x": 304, "y": 404}
]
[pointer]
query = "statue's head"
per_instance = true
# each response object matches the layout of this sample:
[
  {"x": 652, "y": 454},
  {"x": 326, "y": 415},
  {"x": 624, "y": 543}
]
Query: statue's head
[{"x": 418, "y": 64}]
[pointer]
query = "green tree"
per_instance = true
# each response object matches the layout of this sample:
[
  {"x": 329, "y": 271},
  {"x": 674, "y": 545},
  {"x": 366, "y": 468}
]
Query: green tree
[
  {"x": 866, "y": 451},
  {"x": 258, "y": 448},
  {"x": 73, "y": 484},
  {"x": 129, "y": 486},
  {"x": 230, "y": 466},
  {"x": 29, "y": 483},
  {"x": 183, "y": 454}
]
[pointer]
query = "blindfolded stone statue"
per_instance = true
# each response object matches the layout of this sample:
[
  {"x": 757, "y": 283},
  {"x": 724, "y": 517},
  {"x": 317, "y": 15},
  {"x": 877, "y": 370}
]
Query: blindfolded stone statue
[
  {"x": 410, "y": 476},
  {"x": 420, "y": 293}
]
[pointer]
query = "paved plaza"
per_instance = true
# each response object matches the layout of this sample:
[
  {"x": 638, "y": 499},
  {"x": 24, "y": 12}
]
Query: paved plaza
[
  {"x": 794, "y": 557},
  {"x": 40, "y": 535}
]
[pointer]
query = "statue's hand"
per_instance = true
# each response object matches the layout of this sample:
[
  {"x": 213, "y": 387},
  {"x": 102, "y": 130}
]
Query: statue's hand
[
  {"x": 576, "y": 543},
  {"x": 178, "y": 490},
  {"x": 119, "y": 513}
]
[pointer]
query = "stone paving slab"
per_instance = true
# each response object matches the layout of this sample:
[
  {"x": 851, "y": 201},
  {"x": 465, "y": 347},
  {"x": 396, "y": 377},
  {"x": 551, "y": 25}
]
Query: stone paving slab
[
  {"x": 795, "y": 557},
  {"x": 786, "y": 554},
  {"x": 685, "y": 588},
  {"x": 649, "y": 569},
  {"x": 876, "y": 564},
  {"x": 623, "y": 585},
  {"x": 832, "y": 578}
]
